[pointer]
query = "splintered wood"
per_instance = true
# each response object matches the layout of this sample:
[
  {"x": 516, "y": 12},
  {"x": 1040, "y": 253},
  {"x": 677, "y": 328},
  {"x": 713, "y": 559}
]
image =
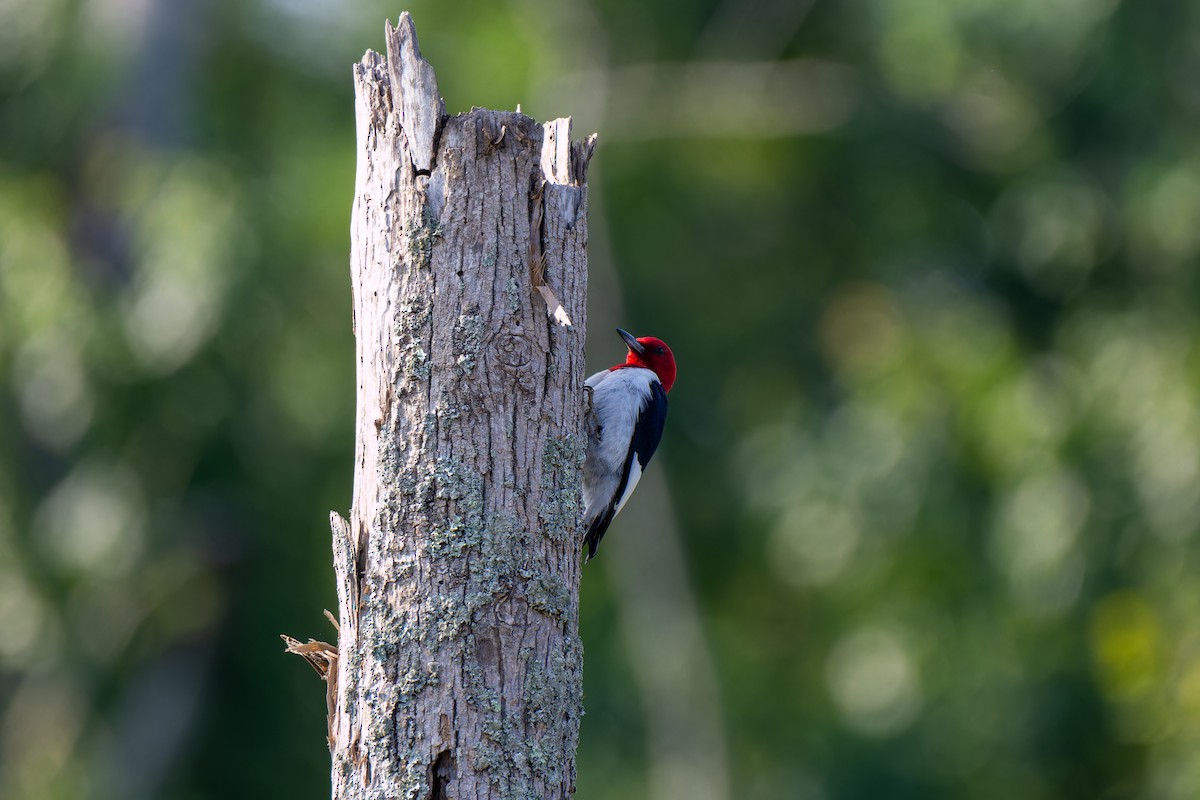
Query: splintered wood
[{"x": 323, "y": 657}]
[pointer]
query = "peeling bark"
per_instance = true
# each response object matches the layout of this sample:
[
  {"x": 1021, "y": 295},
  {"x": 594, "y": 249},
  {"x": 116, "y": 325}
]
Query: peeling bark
[{"x": 459, "y": 669}]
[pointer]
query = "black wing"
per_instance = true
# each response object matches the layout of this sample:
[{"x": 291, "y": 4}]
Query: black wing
[{"x": 647, "y": 433}]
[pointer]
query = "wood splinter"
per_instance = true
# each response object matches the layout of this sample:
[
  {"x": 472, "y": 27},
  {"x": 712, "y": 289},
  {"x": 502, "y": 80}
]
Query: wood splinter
[
  {"x": 322, "y": 657},
  {"x": 537, "y": 264}
]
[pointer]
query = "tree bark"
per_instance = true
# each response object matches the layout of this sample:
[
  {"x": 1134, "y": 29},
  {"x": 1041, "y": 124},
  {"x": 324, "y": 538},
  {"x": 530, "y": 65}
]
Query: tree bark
[{"x": 459, "y": 664}]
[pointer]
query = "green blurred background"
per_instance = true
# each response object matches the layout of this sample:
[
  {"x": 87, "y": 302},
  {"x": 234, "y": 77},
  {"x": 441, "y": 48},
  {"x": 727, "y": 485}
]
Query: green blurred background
[{"x": 924, "y": 521}]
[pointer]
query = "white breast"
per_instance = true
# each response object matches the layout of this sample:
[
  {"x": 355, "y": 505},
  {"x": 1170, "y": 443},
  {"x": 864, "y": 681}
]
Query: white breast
[{"x": 617, "y": 396}]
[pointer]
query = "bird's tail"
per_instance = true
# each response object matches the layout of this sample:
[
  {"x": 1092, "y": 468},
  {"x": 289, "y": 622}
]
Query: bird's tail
[{"x": 596, "y": 530}]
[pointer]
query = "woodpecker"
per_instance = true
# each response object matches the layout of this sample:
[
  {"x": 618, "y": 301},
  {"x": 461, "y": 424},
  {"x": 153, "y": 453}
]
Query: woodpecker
[{"x": 630, "y": 401}]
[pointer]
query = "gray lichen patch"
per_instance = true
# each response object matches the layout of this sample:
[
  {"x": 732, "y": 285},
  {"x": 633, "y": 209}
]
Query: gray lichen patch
[
  {"x": 413, "y": 784},
  {"x": 479, "y": 694},
  {"x": 415, "y": 680},
  {"x": 452, "y": 480},
  {"x": 504, "y": 555},
  {"x": 389, "y": 457},
  {"x": 421, "y": 238},
  {"x": 519, "y": 757},
  {"x": 416, "y": 313},
  {"x": 387, "y": 643},
  {"x": 453, "y": 613},
  {"x": 497, "y": 543},
  {"x": 381, "y": 702},
  {"x": 445, "y": 408},
  {"x": 406, "y": 765},
  {"x": 549, "y": 596},
  {"x": 455, "y": 539},
  {"x": 512, "y": 295},
  {"x": 412, "y": 323},
  {"x": 415, "y": 362},
  {"x": 550, "y": 687},
  {"x": 460, "y": 482},
  {"x": 561, "y": 506},
  {"x": 466, "y": 338},
  {"x": 501, "y": 753},
  {"x": 563, "y": 452},
  {"x": 399, "y": 487}
]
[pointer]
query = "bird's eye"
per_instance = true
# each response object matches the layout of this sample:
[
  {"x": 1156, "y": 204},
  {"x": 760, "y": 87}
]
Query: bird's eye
[{"x": 658, "y": 351}]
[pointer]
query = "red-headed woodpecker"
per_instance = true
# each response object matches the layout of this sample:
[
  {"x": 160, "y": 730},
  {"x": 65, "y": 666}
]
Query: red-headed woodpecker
[{"x": 630, "y": 401}]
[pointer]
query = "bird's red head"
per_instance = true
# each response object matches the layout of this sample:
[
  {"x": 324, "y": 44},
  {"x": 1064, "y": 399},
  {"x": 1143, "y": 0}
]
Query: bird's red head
[{"x": 652, "y": 354}]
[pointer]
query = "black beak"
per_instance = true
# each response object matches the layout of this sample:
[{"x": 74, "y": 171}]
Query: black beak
[{"x": 631, "y": 342}]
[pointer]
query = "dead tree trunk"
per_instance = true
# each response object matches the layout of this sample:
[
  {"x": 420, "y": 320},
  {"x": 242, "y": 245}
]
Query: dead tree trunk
[{"x": 460, "y": 666}]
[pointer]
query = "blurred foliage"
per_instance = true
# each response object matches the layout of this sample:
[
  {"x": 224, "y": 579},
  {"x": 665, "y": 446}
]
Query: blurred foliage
[{"x": 929, "y": 271}]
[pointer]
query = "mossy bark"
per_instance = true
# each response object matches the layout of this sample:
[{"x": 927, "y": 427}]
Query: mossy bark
[{"x": 459, "y": 669}]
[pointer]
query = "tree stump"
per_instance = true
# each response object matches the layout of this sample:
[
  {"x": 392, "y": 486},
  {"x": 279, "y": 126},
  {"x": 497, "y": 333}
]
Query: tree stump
[{"x": 459, "y": 665}]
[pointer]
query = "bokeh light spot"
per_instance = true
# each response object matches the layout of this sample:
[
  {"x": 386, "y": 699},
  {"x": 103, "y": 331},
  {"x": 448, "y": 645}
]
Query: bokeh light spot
[
  {"x": 1127, "y": 642},
  {"x": 813, "y": 543},
  {"x": 1034, "y": 536},
  {"x": 93, "y": 522},
  {"x": 874, "y": 682}
]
